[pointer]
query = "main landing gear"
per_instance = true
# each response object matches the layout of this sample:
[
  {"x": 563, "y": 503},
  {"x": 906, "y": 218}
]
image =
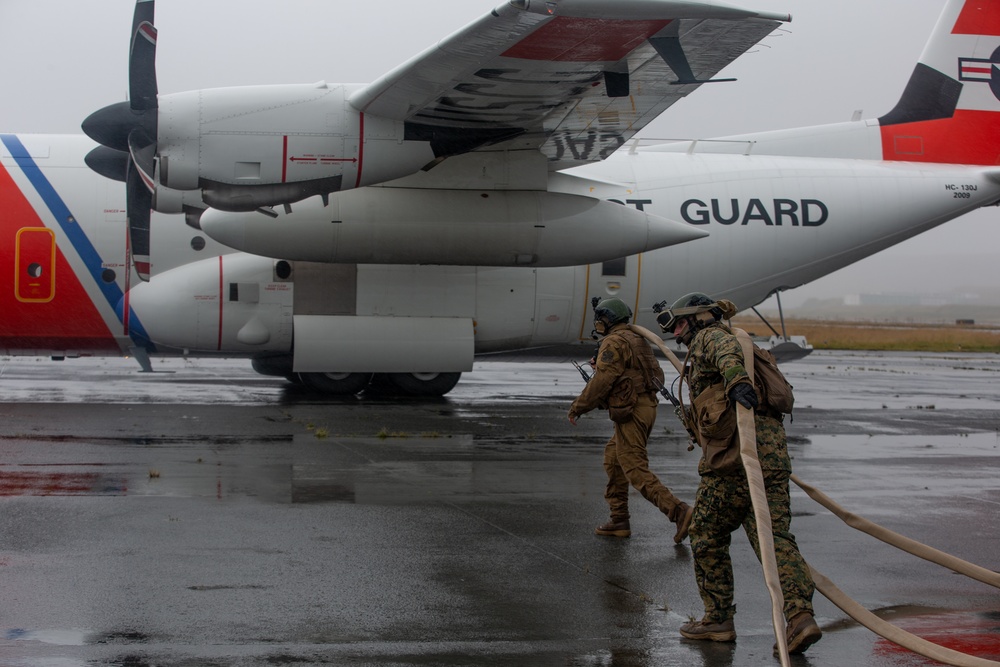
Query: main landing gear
[
  {"x": 381, "y": 384},
  {"x": 348, "y": 384}
]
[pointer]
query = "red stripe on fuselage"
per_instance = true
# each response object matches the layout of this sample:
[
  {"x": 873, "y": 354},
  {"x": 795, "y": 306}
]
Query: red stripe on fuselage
[
  {"x": 584, "y": 40},
  {"x": 978, "y": 17},
  {"x": 284, "y": 159},
  {"x": 69, "y": 322},
  {"x": 969, "y": 137}
]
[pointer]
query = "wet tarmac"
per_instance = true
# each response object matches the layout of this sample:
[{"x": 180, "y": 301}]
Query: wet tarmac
[{"x": 205, "y": 515}]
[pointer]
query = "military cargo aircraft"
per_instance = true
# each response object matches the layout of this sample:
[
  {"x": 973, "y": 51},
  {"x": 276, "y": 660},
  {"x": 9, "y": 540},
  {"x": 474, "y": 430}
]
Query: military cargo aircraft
[{"x": 474, "y": 199}]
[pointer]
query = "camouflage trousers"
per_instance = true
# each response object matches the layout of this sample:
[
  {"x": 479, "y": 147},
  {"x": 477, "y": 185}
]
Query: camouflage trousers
[
  {"x": 721, "y": 506},
  {"x": 626, "y": 463}
]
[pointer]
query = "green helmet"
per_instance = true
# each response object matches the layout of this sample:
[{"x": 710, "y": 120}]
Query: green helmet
[
  {"x": 687, "y": 305},
  {"x": 612, "y": 311}
]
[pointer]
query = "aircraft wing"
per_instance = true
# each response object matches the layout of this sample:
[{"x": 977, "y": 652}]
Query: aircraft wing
[{"x": 574, "y": 79}]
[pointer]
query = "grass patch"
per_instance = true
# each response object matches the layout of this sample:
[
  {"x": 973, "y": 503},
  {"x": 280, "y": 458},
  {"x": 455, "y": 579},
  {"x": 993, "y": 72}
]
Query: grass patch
[
  {"x": 840, "y": 335},
  {"x": 386, "y": 433}
]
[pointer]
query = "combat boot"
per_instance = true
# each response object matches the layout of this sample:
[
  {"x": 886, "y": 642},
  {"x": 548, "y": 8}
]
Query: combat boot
[
  {"x": 614, "y": 529},
  {"x": 801, "y": 633},
  {"x": 707, "y": 630},
  {"x": 683, "y": 522}
]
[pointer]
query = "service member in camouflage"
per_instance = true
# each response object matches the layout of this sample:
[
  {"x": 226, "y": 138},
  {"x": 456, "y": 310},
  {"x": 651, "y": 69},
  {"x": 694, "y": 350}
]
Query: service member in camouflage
[
  {"x": 723, "y": 501},
  {"x": 625, "y": 357}
]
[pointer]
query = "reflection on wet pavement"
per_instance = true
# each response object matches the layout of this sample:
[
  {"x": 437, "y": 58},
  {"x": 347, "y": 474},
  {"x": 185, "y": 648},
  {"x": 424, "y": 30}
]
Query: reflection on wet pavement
[{"x": 212, "y": 517}]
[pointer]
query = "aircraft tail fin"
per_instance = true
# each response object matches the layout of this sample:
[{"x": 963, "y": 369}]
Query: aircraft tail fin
[{"x": 950, "y": 109}]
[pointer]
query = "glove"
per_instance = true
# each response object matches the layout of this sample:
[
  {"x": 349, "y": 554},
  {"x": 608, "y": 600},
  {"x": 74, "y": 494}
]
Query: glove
[{"x": 744, "y": 394}]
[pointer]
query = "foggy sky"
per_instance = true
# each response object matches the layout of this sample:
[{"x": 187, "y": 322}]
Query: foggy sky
[{"x": 64, "y": 59}]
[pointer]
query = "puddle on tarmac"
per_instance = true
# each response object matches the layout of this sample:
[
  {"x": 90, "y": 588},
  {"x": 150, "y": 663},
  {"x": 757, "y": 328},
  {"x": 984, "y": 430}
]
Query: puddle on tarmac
[
  {"x": 55, "y": 637},
  {"x": 861, "y": 446},
  {"x": 974, "y": 633}
]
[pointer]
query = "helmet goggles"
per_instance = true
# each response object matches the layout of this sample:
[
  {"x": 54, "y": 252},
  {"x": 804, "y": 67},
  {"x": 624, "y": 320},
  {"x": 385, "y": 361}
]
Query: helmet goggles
[{"x": 668, "y": 318}]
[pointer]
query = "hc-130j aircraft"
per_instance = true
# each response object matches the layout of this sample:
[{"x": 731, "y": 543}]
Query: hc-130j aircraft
[{"x": 474, "y": 199}]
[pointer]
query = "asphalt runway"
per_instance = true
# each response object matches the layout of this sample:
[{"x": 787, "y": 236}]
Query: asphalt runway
[{"x": 205, "y": 515}]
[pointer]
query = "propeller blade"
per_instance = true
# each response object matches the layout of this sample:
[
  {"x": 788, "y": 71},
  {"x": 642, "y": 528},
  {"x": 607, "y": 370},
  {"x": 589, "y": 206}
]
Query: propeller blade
[
  {"x": 113, "y": 125},
  {"x": 142, "y": 150},
  {"x": 139, "y": 188},
  {"x": 143, "y": 12},
  {"x": 142, "y": 89}
]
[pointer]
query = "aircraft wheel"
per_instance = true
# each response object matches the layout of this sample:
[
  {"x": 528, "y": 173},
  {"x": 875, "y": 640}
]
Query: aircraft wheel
[
  {"x": 337, "y": 384},
  {"x": 423, "y": 384}
]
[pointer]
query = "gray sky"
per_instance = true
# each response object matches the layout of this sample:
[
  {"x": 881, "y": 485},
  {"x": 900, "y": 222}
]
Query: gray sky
[{"x": 65, "y": 58}]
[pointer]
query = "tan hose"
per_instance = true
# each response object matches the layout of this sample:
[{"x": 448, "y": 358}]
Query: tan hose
[
  {"x": 761, "y": 510},
  {"x": 900, "y": 542},
  {"x": 874, "y": 623},
  {"x": 658, "y": 343},
  {"x": 823, "y": 585},
  {"x": 891, "y": 632}
]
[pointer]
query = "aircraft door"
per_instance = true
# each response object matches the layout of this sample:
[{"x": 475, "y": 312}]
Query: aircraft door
[
  {"x": 35, "y": 259},
  {"x": 555, "y": 297},
  {"x": 505, "y": 307},
  {"x": 616, "y": 277}
]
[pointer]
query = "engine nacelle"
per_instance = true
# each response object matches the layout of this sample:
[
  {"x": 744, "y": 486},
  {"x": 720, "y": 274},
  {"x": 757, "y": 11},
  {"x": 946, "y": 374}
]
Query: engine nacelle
[
  {"x": 388, "y": 225},
  {"x": 234, "y": 304},
  {"x": 243, "y": 305},
  {"x": 255, "y": 146}
]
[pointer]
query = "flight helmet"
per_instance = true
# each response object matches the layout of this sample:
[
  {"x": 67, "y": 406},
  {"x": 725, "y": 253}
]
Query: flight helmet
[{"x": 610, "y": 312}]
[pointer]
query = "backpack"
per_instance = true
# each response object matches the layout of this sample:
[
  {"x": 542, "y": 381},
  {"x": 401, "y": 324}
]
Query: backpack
[{"x": 770, "y": 382}]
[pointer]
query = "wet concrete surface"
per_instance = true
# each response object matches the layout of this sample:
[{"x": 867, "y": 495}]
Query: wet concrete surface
[{"x": 204, "y": 515}]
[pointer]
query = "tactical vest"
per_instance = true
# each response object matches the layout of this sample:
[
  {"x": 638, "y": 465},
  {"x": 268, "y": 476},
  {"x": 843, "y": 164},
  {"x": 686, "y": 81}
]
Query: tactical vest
[{"x": 641, "y": 365}]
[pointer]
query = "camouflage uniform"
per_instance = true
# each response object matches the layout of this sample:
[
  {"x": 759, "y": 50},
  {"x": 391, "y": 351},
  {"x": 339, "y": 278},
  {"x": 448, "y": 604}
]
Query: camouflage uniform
[
  {"x": 625, "y": 458},
  {"x": 723, "y": 501}
]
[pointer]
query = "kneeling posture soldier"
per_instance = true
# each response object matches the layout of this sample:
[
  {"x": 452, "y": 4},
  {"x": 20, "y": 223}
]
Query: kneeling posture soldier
[
  {"x": 723, "y": 502},
  {"x": 625, "y": 382}
]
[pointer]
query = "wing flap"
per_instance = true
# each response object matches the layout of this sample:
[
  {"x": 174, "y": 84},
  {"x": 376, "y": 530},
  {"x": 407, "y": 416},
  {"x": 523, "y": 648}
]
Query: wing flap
[{"x": 574, "y": 79}]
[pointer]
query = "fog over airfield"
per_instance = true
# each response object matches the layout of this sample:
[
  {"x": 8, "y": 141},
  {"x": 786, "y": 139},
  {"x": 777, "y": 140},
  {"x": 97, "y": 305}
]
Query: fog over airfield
[{"x": 64, "y": 59}]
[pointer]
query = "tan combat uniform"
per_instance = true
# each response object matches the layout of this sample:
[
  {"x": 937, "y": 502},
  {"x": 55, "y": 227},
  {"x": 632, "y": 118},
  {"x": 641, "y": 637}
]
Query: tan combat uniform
[{"x": 625, "y": 460}]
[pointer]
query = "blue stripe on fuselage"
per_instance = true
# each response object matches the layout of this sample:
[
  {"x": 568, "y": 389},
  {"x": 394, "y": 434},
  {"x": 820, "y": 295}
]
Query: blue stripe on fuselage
[{"x": 68, "y": 223}]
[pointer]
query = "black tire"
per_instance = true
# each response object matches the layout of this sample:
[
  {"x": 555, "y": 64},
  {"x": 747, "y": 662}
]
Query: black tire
[
  {"x": 336, "y": 384},
  {"x": 423, "y": 384},
  {"x": 273, "y": 364}
]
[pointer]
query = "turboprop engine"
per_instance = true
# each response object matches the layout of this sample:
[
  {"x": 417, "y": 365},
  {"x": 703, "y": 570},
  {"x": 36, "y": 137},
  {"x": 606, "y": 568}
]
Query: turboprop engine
[
  {"x": 255, "y": 146},
  {"x": 389, "y": 225}
]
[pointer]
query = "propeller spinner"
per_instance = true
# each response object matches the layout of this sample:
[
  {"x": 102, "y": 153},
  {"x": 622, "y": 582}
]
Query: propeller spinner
[{"x": 127, "y": 134}]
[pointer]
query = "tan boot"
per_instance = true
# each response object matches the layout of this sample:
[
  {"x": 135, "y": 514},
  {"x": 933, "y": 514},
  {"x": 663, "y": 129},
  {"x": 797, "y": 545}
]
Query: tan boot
[
  {"x": 614, "y": 529},
  {"x": 801, "y": 632},
  {"x": 707, "y": 630},
  {"x": 683, "y": 522}
]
